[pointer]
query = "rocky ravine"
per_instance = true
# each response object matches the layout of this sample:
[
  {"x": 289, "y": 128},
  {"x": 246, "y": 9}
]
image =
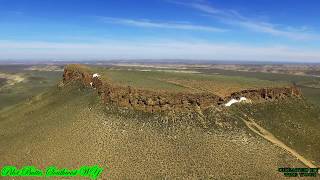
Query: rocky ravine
[{"x": 152, "y": 101}]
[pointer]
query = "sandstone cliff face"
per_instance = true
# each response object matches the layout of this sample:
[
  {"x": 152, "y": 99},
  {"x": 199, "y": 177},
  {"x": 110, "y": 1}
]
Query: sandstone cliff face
[
  {"x": 268, "y": 93},
  {"x": 71, "y": 74},
  {"x": 153, "y": 101}
]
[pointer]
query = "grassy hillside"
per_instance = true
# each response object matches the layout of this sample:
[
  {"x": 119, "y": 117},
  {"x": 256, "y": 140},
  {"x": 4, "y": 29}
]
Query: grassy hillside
[
  {"x": 69, "y": 127},
  {"x": 42, "y": 124},
  {"x": 34, "y": 83},
  {"x": 294, "y": 122}
]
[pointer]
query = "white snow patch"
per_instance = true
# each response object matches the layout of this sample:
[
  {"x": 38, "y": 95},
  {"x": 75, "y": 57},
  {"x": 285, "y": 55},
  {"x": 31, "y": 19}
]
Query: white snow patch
[
  {"x": 242, "y": 99},
  {"x": 95, "y": 75},
  {"x": 232, "y": 101}
]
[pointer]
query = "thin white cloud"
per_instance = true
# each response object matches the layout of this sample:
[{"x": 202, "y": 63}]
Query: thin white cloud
[
  {"x": 160, "y": 49},
  {"x": 163, "y": 25},
  {"x": 232, "y": 17},
  {"x": 272, "y": 29}
]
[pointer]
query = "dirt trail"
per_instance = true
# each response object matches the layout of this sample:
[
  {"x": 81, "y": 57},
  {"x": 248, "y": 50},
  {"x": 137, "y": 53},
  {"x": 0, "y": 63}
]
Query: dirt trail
[
  {"x": 182, "y": 85},
  {"x": 251, "y": 124}
]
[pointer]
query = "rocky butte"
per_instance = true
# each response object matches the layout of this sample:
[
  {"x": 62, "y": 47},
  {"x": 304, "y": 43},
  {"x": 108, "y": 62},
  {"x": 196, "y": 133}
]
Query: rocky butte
[{"x": 153, "y": 101}]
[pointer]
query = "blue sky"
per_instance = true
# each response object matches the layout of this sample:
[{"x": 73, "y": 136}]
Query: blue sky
[{"x": 255, "y": 30}]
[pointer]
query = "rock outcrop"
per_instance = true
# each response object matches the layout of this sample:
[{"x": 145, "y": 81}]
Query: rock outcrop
[
  {"x": 268, "y": 93},
  {"x": 152, "y": 101}
]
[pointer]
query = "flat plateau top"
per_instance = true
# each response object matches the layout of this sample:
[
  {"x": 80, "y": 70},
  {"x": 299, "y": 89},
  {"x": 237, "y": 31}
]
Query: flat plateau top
[{"x": 177, "y": 80}]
